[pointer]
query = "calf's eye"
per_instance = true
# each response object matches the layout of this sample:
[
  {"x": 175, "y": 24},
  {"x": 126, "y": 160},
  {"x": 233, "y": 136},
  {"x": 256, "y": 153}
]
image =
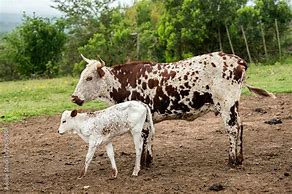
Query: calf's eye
[
  {"x": 89, "y": 78},
  {"x": 63, "y": 121}
]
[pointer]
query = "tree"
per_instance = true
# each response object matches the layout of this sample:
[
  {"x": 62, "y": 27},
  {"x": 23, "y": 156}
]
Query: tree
[
  {"x": 35, "y": 47},
  {"x": 190, "y": 27},
  {"x": 82, "y": 19}
]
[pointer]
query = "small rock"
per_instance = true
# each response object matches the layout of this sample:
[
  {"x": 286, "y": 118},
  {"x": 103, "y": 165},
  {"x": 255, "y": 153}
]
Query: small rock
[
  {"x": 68, "y": 163},
  {"x": 124, "y": 154},
  {"x": 274, "y": 121},
  {"x": 86, "y": 187},
  {"x": 216, "y": 187},
  {"x": 260, "y": 110},
  {"x": 286, "y": 174}
]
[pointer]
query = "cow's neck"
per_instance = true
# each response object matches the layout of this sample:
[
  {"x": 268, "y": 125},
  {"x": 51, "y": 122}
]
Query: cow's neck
[{"x": 109, "y": 83}]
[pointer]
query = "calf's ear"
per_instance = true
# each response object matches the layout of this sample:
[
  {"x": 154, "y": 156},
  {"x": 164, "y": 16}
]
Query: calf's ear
[{"x": 73, "y": 113}]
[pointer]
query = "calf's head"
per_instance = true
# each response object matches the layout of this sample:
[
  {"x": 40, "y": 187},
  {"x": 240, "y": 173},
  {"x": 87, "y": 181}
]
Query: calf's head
[
  {"x": 90, "y": 82},
  {"x": 67, "y": 121}
]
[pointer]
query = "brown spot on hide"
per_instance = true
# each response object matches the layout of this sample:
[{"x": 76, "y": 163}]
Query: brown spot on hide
[
  {"x": 159, "y": 67},
  {"x": 187, "y": 85},
  {"x": 144, "y": 85},
  {"x": 153, "y": 83},
  {"x": 184, "y": 93},
  {"x": 119, "y": 95},
  {"x": 147, "y": 100},
  {"x": 161, "y": 101},
  {"x": 185, "y": 77},
  {"x": 172, "y": 91},
  {"x": 137, "y": 96},
  {"x": 213, "y": 64},
  {"x": 238, "y": 73},
  {"x": 199, "y": 100},
  {"x": 233, "y": 114}
]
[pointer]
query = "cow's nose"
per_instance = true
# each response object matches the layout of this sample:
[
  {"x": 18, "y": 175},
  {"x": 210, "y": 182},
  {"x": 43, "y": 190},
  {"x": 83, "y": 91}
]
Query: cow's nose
[{"x": 77, "y": 100}]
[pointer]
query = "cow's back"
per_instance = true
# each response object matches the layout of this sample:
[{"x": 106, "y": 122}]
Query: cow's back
[{"x": 184, "y": 89}]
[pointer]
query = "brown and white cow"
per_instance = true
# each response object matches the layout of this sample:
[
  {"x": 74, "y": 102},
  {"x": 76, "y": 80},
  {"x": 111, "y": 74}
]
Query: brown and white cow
[{"x": 185, "y": 89}]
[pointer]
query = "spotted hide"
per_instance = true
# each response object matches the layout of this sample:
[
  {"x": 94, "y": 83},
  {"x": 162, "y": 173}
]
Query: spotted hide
[{"x": 185, "y": 89}]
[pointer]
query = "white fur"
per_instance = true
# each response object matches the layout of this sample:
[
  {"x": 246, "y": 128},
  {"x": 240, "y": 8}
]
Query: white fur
[{"x": 101, "y": 127}]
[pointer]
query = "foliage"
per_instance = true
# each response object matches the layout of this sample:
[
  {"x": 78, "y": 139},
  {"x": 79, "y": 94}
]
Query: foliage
[
  {"x": 160, "y": 31},
  {"x": 33, "y": 49},
  {"x": 82, "y": 19}
]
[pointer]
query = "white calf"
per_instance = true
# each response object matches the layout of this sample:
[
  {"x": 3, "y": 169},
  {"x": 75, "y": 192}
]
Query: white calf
[{"x": 100, "y": 127}]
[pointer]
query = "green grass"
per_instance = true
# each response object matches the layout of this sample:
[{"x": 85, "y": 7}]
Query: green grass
[
  {"x": 22, "y": 99},
  {"x": 275, "y": 78}
]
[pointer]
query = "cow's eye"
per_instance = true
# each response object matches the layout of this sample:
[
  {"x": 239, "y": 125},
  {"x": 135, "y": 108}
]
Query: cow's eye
[
  {"x": 63, "y": 121},
  {"x": 89, "y": 78}
]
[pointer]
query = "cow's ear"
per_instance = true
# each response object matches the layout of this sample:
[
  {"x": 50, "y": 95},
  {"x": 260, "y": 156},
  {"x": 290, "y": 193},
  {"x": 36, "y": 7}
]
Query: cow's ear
[
  {"x": 73, "y": 113},
  {"x": 100, "y": 72}
]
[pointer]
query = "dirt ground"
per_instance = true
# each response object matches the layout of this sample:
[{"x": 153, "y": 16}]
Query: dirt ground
[{"x": 189, "y": 157}]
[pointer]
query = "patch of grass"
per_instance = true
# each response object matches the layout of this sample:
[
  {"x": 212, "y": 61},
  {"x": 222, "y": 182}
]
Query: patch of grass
[
  {"x": 275, "y": 78},
  {"x": 22, "y": 99}
]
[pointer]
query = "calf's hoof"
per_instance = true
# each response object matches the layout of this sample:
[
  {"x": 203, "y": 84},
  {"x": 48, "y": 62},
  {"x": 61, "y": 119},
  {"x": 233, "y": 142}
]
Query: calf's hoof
[
  {"x": 82, "y": 174},
  {"x": 135, "y": 172},
  {"x": 114, "y": 174}
]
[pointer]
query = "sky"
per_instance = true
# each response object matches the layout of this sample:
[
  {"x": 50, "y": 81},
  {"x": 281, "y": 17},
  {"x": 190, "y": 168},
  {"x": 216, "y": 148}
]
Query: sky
[{"x": 41, "y": 7}]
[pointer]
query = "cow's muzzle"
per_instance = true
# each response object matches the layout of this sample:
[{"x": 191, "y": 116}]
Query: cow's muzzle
[{"x": 77, "y": 100}]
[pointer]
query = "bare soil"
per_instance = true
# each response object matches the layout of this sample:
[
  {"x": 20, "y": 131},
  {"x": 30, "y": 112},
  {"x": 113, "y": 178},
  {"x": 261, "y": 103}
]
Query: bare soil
[{"x": 189, "y": 157}]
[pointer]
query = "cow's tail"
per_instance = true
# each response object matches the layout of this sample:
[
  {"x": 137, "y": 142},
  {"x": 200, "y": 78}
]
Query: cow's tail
[
  {"x": 259, "y": 91},
  {"x": 147, "y": 133}
]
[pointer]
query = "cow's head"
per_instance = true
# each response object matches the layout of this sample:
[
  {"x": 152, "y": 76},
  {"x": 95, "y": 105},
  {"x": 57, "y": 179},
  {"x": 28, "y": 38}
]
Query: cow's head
[
  {"x": 66, "y": 121},
  {"x": 88, "y": 86}
]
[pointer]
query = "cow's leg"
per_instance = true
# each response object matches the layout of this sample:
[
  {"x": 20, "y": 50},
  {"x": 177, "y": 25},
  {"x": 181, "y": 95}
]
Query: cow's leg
[
  {"x": 138, "y": 141},
  {"x": 239, "y": 144},
  {"x": 111, "y": 155},
  {"x": 235, "y": 131},
  {"x": 149, "y": 155},
  {"x": 146, "y": 158},
  {"x": 91, "y": 149}
]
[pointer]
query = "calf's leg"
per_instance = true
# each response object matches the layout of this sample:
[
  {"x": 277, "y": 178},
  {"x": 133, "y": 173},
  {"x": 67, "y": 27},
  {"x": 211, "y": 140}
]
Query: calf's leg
[
  {"x": 111, "y": 155},
  {"x": 138, "y": 141},
  {"x": 91, "y": 149}
]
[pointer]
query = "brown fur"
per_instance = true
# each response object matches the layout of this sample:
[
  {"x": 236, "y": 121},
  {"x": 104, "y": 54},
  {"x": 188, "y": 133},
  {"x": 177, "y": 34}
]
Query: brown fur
[{"x": 260, "y": 92}]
